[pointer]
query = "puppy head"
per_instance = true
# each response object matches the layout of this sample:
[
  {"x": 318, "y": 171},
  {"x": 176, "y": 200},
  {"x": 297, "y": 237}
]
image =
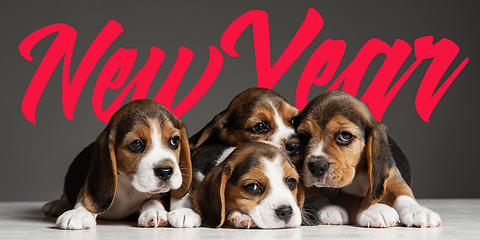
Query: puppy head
[
  {"x": 255, "y": 115},
  {"x": 145, "y": 143},
  {"x": 256, "y": 179},
  {"x": 340, "y": 138}
]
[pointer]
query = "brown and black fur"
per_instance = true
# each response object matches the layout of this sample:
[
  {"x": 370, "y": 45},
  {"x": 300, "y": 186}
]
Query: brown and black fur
[
  {"x": 220, "y": 192},
  {"x": 233, "y": 125},
  {"x": 93, "y": 173},
  {"x": 378, "y": 155}
]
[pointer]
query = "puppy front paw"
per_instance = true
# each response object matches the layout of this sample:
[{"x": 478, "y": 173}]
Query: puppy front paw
[
  {"x": 56, "y": 208},
  {"x": 378, "y": 215},
  {"x": 184, "y": 218},
  {"x": 419, "y": 216},
  {"x": 76, "y": 219},
  {"x": 332, "y": 215},
  {"x": 153, "y": 218},
  {"x": 240, "y": 220}
]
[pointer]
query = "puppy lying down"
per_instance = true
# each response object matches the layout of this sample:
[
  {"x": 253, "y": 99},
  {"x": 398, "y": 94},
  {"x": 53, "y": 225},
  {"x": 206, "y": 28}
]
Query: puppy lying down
[
  {"x": 353, "y": 171},
  {"x": 255, "y": 186},
  {"x": 139, "y": 162}
]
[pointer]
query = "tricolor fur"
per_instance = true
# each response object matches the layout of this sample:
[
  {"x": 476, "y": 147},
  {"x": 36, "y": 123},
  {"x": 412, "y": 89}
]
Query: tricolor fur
[
  {"x": 348, "y": 156},
  {"x": 255, "y": 186},
  {"x": 255, "y": 115},
  {"x": 140, "y": 157}
]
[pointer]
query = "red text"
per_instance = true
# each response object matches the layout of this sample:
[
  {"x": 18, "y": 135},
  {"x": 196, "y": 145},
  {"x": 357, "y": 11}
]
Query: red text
[{"x": 327, "y": 56}]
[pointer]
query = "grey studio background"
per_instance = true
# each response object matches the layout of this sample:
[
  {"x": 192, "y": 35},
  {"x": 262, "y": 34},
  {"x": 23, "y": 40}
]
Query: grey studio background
[{"x": 34, "y": 158}]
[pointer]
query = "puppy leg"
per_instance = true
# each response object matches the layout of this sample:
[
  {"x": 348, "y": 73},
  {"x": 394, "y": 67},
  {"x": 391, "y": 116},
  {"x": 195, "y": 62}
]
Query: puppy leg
[
  {"x": 378, "y": 215},
  {"x": 57, "y": 207},
  {"x": 153, "y": 214},
  {"x": 240, "y": 220},
  {"x": 330, "y": 214},
  {"x": 182, "y": 214},
  {"x": 78, "y": 218},
  {"x": 412, "y": 214},
  {"x": 382, "y": 214},
  {"x": 400, "y": 196}
]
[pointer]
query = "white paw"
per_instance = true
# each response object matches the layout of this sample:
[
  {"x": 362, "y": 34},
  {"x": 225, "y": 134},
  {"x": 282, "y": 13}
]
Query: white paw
[
  {"x": 332, "y": 214},
  {"x": 76, "y": 219},
  {"x": 184, "y": 218},
  {"x": 240, "y": 220},
  {"x": 56, "y": 208},
  {"x": 153, "y": 218},
  {"x": 378, "y": 215},
  {"x": 419, "y": 216}
]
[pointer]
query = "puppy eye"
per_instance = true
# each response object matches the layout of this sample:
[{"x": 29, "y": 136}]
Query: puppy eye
[
  {"x": 295, "y": 122},
  {"x": 173, "y": 142},
  {"x": 344, "y": 138},
  {"x": 253, "y": 188},
  {"x": 292, "y": 183},
  {"x": 136, "y": 146},
  {"x": 260, "y": 128}
]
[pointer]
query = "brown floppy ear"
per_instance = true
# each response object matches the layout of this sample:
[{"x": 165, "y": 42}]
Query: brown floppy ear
[
  {"x": 209, "y": 198},
  {"x": 378, "y": 163},
  {"x": 101, "y": 183},
  {"x": 300, "y": 195},
  {"x": 218, "y": 123},
  {"x": 185, "y": 165}
]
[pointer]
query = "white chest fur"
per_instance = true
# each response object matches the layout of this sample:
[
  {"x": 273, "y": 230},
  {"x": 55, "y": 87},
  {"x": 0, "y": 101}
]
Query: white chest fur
[{"x": 127, "y": 200}]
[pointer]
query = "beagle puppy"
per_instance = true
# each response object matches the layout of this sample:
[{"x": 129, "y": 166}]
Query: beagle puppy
[
  {"x": 255, "y": 186},
  {"x": 355, "y": 171},
  {"x": 139, "y": 162},
  {"x": 254, "y": 115}
]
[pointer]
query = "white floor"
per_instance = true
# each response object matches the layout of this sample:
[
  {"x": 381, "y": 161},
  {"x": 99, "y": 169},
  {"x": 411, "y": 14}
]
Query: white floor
[{"x": 461, "y": 220}]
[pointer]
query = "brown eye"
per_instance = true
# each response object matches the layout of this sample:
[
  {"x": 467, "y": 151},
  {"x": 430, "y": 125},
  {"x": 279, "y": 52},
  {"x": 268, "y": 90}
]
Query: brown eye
[
  {"x": 137, "y": 146},
  {"x": 173, "y": 142},
  {"x": 295, "y": 122},
  {"x": 253, "y": 188},
  {"x": 344, "y": 138},
  {"x": 260, "y": 128},
  {"x": 292, "y": 183}
]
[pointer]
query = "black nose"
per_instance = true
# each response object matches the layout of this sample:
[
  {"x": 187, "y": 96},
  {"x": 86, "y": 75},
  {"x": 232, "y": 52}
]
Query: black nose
[
  {"x": 293, "y": 148},
  {"x": 318, "y": 168},
  {"x": 284, "y": 213},
  {"x": 164, "y": 173}
]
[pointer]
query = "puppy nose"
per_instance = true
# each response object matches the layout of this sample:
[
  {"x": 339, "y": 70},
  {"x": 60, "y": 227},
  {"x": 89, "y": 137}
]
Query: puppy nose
[
  {"x": 318, "y": 168},
  {"x": 293, "y": 148},
  {"x": 284, "y": 213},
  {"x": 164, "y": 173}
]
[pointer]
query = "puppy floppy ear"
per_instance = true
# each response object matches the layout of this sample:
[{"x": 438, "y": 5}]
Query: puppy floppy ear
[
  {"x": 300, "y": 195},
  {"x": 209, "y": 198},
  {"x": 185, "y": 165},
  {"x": 218, "y": 123},
  {"x": 378, "y": 162},
  {"x": 101, "y": 183}
]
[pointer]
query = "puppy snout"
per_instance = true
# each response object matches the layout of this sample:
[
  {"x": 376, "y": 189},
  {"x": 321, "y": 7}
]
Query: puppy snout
[
  {"x": 293, "y": 148},
  {"x": 164, "y": 173},
  {"x": 318, "y": 168},
  {"x": 284, "y": 213}
]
